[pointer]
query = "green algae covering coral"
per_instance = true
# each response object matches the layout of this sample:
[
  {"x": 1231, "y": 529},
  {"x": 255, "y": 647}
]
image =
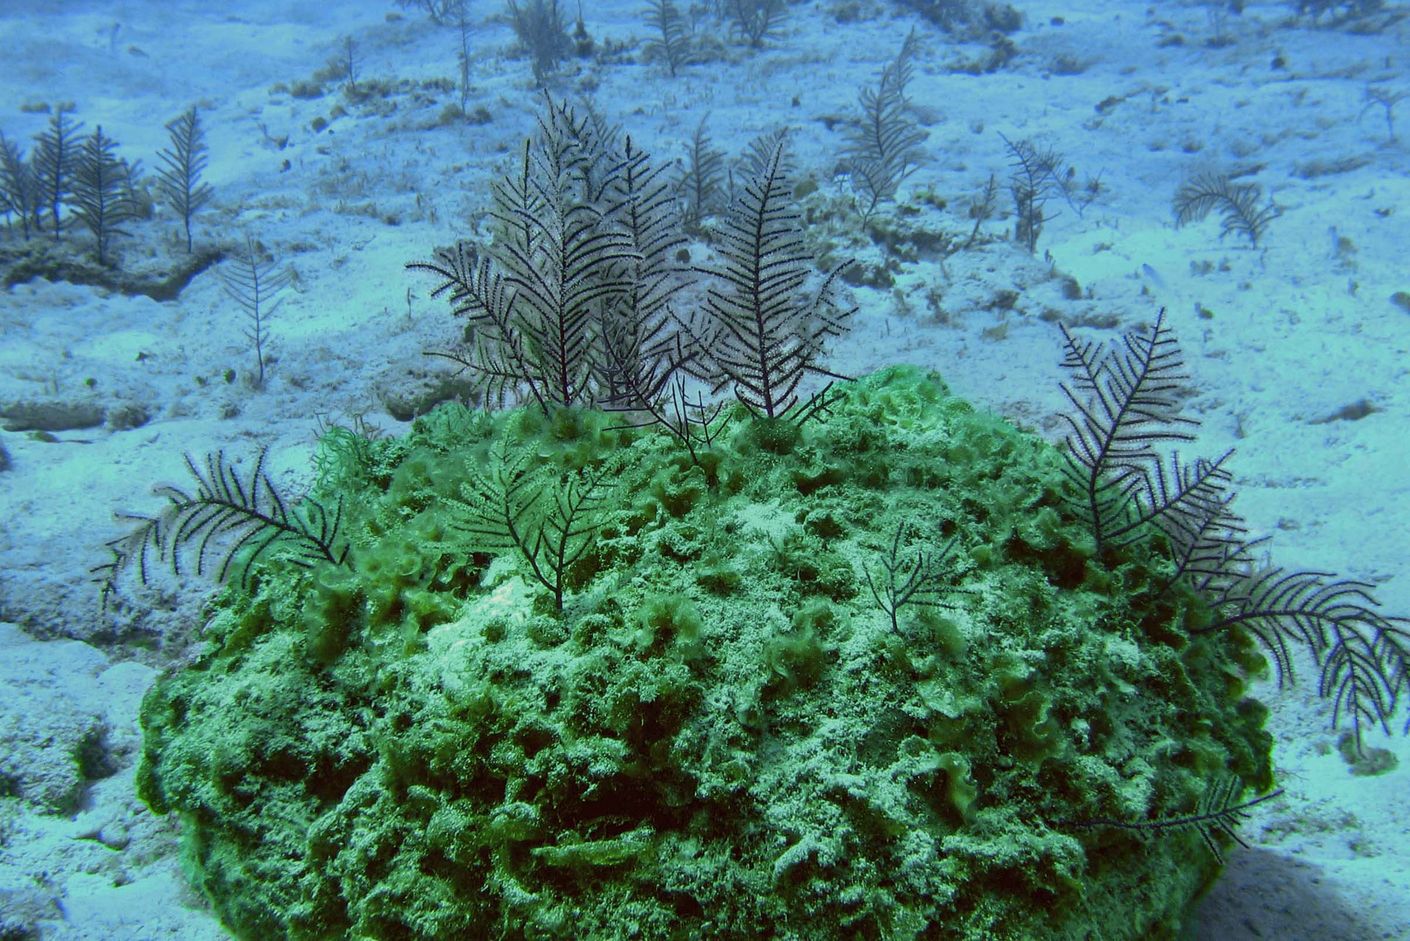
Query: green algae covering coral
[{"x": 720, "y": 733}]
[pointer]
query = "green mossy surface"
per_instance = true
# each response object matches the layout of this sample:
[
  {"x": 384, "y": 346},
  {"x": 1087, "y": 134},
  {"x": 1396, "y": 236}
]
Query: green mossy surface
[{"x": 720, "y": 736}]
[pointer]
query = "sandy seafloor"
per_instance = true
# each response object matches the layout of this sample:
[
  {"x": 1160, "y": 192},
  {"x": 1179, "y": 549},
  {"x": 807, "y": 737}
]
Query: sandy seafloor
[{"x": 1296, "y": 348}]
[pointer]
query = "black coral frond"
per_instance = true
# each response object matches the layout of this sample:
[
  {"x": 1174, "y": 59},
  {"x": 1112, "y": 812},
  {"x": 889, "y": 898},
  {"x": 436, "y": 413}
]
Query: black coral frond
[
  {"x": 702, "y": 182},
  {"x": 224, "y": 526},
  {"x": 919, "y": 581},
  {"x": 564, "y": 263},
  {"x": 494, "y": 352},
  {"x": 542, "y": 29},
  {"x": 550, "y": 523},
  {"x": 1033, "y": 180},
  {"x": 19, "y": 188},
  {"x": 496, "y": 503},
  {"x": 1306, "y": 608},
  {"x": 256, "y": 285},
  {"x": 100, "y": 201},
  {"x": 672, "y": 40},
  {"x": 759, "y": 336},
  {"x": 1362, "y": 653},
  {"x": 1238, "y": 205},
  {"x": 1219, "y": 812},
  {"x": 179, "y": 176},
  {"x": 885, "y": 143},
  {"x": 1208, "y": 541},
  {"x": 1124, "y": 404},
  {"x": 1365, "y": 673},
  {"x": 55, "y": 161},
  {"x": 640, "y": 347},
  {"x": 1188, "y": 502},
  {"x": 579, "y": 261},
  {"x": 1036, "y": 176},
  {"x": 756, "y": 20}
]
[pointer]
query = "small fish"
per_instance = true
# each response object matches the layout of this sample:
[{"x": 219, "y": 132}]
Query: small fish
[{"x": 1151, "y": 276}]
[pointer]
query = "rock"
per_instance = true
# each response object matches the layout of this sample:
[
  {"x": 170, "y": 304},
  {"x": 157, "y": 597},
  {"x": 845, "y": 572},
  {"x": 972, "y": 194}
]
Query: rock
[{"x": 51, "y": 415}]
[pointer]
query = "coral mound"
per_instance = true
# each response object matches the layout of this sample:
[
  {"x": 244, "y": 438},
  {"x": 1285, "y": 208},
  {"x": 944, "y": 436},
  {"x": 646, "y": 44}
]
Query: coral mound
[{"x": 723, "y": 732}]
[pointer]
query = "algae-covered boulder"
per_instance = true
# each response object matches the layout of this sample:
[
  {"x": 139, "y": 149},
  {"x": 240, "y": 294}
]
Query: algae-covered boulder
[{"x": 576, "y": 682}]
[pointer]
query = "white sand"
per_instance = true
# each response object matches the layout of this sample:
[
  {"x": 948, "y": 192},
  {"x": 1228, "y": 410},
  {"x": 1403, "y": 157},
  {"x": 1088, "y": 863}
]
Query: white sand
[{"x": 1296, "y": 330}]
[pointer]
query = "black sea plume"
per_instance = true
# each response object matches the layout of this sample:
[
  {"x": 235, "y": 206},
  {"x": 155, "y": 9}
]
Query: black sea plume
[
  {"x": 223, "y": 526},
  {"x": 1125, "y": 406}
]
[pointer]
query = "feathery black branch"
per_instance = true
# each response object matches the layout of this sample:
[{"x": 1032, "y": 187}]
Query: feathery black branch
[
  {"x": 578, "y": 262},
  {"x": 1278, "y": 606},
  {"x": 702, "y": 182},
  {"x": 754, "y": 163},
  {"x": 885, "y": 143},
  {"x": 572, "y": 267},
  {"x": 640, "y": 346},
  {"x": 179, "y": 177},
  {"x": 1210, "y": 544},
  {"x": 1031, "y": 183},
  {"x": 1362, "y": 654},
  {"x": 672, "y": 43},
  {"x": 1124, "y": 404},
  {"x": 55, "y": 160},
  {"x": 758, "y": 336},
  {"x": 756, "y": 20},
  {"x": 255, "y": 285},
  {"x": 1037, "y": 176},
  {"x": 1364, "y": 672},
  {"x": 493, "y": 351},
  {"x": 542, "y": 29},
  {"x": 1216, "y": 813},
  {"x": 550, "y": 523},
  {"x": 19, "y": 187},
  {"x": 236, "y": 520},
  {"x": 1238, "y": 205},
  {"x": 98, "y": 194},
  {"x": 661, "y": 396},
  {"x": 919, "y": 582},
  {"x": 693, "y": 423},
  {"x": 1181, "y": 499}
]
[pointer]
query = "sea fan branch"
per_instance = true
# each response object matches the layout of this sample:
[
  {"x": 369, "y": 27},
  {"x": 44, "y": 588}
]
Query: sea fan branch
[
  {"x": 1363, "y": 654},
  {"x": 899, "y": 583},
  {"x": 232, "y": 519},
  {"x": 1123, "y": 405},
  {"x": 1238, "y": 205},
  {"x": 885, "y": 143},
  {"x": 757, "y": 336},
  {"x": 550, "y": 524},
  {"x": 1217, "y": 813}
]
